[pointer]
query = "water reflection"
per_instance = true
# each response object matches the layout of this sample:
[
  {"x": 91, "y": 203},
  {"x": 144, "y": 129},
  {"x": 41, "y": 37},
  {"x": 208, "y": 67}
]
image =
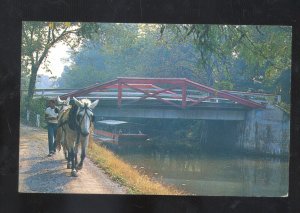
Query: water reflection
[{"x": 227, "y": 174}]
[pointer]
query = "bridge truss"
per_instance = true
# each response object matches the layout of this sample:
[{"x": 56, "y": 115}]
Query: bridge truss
[{"x": 177, "y": 92}]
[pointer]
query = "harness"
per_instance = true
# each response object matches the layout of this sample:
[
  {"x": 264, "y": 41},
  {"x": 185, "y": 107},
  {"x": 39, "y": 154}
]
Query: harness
[
  {"x": 91, "y": 118},
  {"x": 74, "y": 120}
]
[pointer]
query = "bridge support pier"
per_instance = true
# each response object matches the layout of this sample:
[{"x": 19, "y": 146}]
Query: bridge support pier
[{"x": 265, "y": 131}]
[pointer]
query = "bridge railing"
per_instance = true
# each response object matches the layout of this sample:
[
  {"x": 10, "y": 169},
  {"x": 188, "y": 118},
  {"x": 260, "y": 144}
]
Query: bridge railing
[
  {"x": 48, "y": 93},
  {"x": 258, "y": 97}
]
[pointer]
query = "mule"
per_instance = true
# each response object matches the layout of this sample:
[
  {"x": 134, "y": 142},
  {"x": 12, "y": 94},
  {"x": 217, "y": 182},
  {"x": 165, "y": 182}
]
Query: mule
[
  {"x": 79, "y": 135},
  {"x": 60, "y": 134}
]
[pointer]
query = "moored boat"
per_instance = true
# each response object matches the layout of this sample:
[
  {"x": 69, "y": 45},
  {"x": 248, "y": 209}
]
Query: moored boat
[{"x": 121, "y": 133}]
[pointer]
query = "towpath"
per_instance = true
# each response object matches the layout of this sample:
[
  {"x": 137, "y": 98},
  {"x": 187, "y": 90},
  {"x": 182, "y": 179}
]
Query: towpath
[{"x": 39, "y": 173}]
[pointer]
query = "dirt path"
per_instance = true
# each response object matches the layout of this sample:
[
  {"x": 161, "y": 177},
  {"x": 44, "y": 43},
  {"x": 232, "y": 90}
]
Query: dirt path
[{"x": 42, "y": 174}]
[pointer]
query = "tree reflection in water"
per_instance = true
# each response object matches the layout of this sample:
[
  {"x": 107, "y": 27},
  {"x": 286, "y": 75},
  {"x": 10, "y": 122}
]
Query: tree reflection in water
[{"x": 216, "y": 175}]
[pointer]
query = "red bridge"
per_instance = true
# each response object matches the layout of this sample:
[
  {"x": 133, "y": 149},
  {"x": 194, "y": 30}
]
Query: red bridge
[
  {"x": 176, "y": 92},
  {"x": 165, "y": 98}
]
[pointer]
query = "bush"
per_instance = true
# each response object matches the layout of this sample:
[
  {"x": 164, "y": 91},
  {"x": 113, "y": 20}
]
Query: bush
[{"x": 37, "y": 106}]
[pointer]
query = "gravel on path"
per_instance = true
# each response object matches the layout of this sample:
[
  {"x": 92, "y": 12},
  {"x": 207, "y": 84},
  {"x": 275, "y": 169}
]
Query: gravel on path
[{"x": 39, "y": 173}]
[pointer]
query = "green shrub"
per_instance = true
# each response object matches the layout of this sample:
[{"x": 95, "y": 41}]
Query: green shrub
[{"x": 36, "y": 106}]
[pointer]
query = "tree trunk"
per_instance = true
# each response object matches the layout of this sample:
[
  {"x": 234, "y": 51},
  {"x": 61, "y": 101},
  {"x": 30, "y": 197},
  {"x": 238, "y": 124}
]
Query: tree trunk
[
  {"x": 34, "y": 70},
  {"x": 209, "y": 75}
]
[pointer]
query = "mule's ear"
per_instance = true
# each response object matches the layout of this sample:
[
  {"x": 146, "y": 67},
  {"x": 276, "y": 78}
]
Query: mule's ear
[
  {"x": 78, "y": 103},
  {"x": 59, "y": 101},
  {"x": 94, "y": 104},
  {"x": 67, "y": 101}
]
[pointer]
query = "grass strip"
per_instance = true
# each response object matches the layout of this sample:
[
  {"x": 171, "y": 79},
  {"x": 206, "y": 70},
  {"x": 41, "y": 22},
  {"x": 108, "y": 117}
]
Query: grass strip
[{"x": 126, "y": 175}]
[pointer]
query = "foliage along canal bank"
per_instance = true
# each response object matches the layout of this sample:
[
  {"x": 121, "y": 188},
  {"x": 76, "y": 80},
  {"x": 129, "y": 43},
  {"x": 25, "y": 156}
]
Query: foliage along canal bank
[
  {"x": 126, "y": 174},
  {"x": 37, "y": 108}
]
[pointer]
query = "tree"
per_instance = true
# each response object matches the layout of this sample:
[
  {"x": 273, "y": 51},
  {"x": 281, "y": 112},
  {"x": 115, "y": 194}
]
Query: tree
[
  {"x": 37, "y": 40},
  {"x": 265, "y": 51}
]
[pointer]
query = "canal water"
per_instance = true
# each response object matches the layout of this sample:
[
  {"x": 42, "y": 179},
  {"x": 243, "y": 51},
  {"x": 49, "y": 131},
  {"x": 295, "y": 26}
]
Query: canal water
[
  {"x": 201, "y": 158},
  {"x": 207, "y": 174}
]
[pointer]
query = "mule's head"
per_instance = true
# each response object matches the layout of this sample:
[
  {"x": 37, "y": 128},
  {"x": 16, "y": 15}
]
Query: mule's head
[
  {"x": 63, "y": 104},
  {"x": 85, "y": 115}
]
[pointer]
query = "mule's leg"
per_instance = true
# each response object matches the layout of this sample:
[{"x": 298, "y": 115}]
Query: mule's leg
[
  {"x": 65, "y": 150},
  {"x": 73, "y": 172},
  {"x": 69, "y": 164},
  {"x": 82, "y": 156},
  {"x": 64, "y": 142},
  {"x": 76, "y": 161},
  {"x": 80, "y": 165},
  {"x": 66, "y": 154}
]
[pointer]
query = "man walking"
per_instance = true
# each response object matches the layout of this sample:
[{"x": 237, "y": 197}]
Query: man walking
[{"x": 51, "y": 115}]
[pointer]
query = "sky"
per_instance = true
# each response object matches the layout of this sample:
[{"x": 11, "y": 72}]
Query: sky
[{"x": 55, "y": 57}]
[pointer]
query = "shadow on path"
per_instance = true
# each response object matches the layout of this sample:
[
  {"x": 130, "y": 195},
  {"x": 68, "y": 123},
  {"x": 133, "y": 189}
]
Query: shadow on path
[{"x": 47, "y": 175}]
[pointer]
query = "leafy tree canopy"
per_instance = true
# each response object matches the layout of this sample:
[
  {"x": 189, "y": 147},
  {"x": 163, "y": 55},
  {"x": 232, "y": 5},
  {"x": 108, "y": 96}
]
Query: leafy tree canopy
[
  {"x": 39, "y": 37},
  {"x": 222, "y": 56}
]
